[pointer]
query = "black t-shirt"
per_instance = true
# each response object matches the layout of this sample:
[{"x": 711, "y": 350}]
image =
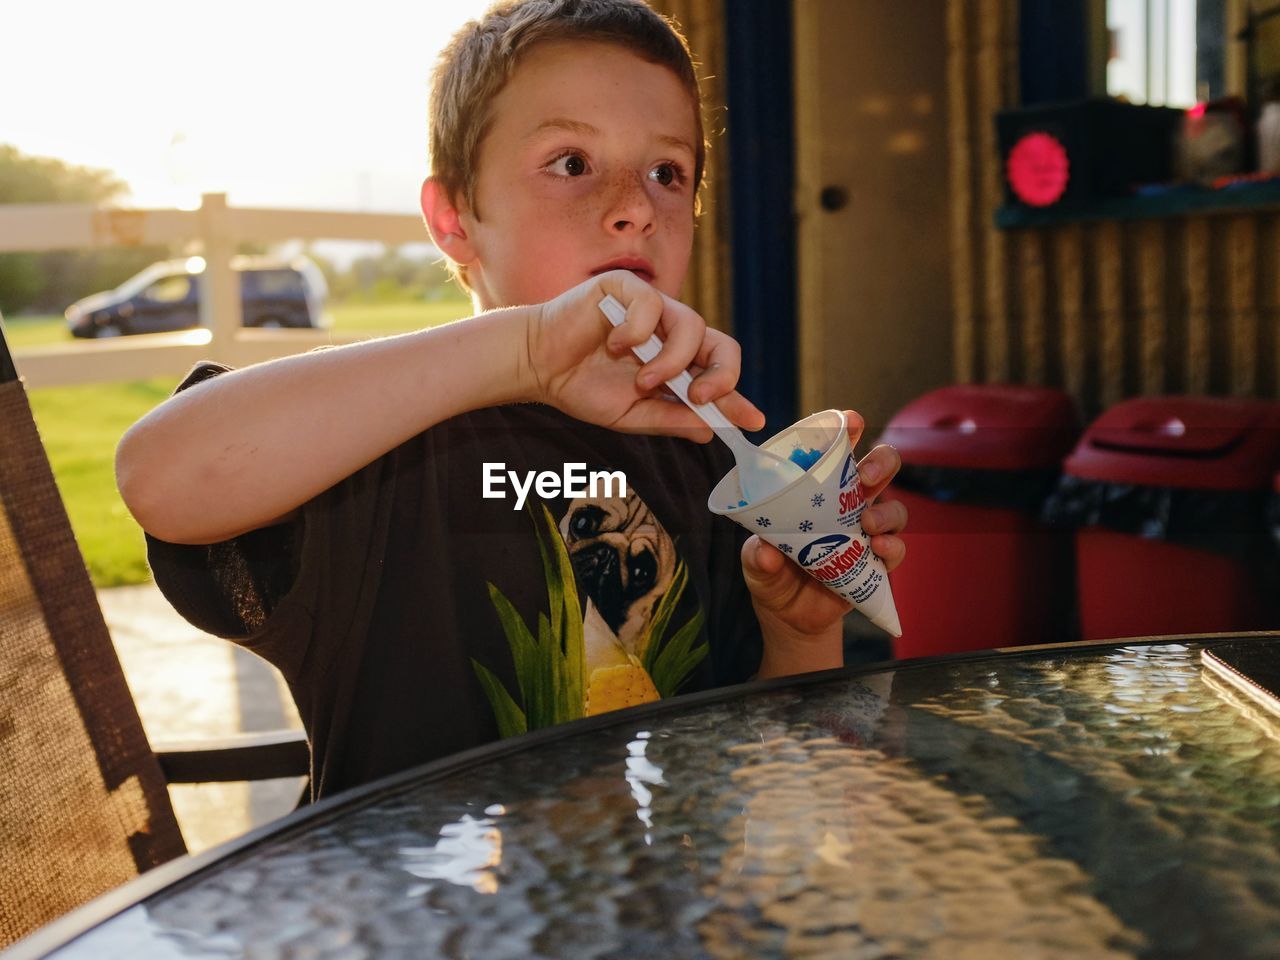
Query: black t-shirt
[{"x": 413, "y": 617}]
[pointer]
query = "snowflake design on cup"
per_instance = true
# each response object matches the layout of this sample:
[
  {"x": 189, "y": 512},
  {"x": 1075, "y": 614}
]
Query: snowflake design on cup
[
  {"x": 806, "y": 526},
  {"x": 763, "y": 522},
  {"x": 818, "y": 500},
  {"x": 785, "y": 548}
]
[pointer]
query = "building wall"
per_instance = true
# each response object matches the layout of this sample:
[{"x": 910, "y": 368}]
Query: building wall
[
  {"x": 872, "y": 198},
  {"x": 874, "y": 281}
]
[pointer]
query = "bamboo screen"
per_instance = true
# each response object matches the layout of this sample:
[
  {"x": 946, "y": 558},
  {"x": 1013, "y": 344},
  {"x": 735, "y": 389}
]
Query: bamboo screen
[
  {"x": 708, "y": 286},
  {"x": 1103, "y": 310}
]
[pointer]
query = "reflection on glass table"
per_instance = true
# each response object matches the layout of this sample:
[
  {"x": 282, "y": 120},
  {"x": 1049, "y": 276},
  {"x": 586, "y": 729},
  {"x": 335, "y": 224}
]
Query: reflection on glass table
[{"x": 1076, "y": 801}]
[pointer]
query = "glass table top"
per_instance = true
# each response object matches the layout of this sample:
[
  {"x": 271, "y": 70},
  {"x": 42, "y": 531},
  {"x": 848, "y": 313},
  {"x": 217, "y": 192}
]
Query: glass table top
[{"x": 1102, "y": 802}]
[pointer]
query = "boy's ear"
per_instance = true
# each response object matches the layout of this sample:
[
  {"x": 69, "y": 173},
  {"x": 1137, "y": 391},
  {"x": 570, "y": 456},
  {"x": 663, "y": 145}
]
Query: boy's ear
[{"x": 445, "y": 224}]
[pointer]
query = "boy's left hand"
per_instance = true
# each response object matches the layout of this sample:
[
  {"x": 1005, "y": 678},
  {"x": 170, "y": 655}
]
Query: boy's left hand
[{"x": 799, "y": 617}]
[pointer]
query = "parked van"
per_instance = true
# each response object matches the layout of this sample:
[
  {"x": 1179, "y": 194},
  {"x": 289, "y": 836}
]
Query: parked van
[{"x": 166, "y": 296}]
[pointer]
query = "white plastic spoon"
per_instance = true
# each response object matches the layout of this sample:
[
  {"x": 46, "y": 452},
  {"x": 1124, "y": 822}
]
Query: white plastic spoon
[{"x": 760, "y": 473}]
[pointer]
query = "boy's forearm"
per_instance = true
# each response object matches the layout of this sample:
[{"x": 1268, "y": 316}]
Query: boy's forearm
[
  {"x": 245, "y": 448},
  {"x": 787, "y": 653}
]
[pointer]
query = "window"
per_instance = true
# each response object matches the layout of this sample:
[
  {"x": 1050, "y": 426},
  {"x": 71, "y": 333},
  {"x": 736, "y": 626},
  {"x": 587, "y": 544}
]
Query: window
[
  {"x": 1154, "y": 44},
  {"x": 273, "y": 283},
  {"x": 169, "y": 289}
]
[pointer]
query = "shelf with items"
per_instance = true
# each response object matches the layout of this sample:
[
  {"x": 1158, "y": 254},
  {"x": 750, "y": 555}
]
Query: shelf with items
[{"x": 1239, "y": 196}]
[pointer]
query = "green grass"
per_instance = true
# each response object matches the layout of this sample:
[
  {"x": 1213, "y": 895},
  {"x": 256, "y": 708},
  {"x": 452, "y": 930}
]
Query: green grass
[
  {"x": 80, "y": 427},
  {"x": 35, "y": 331},
  {"x": 396, "y": 317},
  {"x": 39, "y": 331}
]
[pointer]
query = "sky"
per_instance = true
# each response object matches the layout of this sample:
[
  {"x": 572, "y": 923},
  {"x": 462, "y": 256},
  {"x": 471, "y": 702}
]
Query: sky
[{"x": 277, "y": 103}]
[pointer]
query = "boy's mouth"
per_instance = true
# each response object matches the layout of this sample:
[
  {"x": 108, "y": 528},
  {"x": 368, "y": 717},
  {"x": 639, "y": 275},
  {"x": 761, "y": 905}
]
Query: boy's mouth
[{"x": 640, "y": 267}]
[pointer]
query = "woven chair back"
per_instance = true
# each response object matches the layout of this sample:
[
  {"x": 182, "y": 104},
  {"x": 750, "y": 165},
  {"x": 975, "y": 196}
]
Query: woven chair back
[{"x": 83, "y": 803}]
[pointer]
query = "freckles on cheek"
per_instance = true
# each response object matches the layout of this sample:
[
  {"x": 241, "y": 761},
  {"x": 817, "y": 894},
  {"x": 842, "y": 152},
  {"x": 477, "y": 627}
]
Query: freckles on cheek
[
  {"x": 552, "y": 212},
  {"x": 571, "y": 219}
]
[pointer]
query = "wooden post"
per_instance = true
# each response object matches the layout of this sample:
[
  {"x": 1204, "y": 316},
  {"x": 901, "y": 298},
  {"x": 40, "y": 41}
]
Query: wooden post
[
  {"x": 993, "y": 82},
  {"x": 1111, "y": 314},
  {"x": 1196, "y": 244},
  {"x": 1242, "y": 295},
  {"x": 1069, "y": 261},
  {"x": 1151, "y": 284},
  {"x": 220, "y": 306},
  {"x": 1035, "y": 315},
  {"x": 811, "y": 300},
  {"x": 960, "y": 127}
]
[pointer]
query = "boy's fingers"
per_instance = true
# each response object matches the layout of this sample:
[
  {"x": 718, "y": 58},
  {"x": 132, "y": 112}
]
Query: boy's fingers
[
  {"x": 720, "y": 360},
  {"x": 663, "y": 416},
  {"x": 892, "y": 550},
  {"x": 644, "y": 306},
  {"x": 680, "y": 420},
  {"x": 877, "y": 468},
  {"x": 681, "y": 330},
  {"x": 855, "y": 425},
  {"x": 762, "y": 558},
  {"x": 667, "y": 414},
  {"x": 741, "y": 411},
  {"x": 687, "y": 345},
  {"x": 650, "y": 312},
  {"x": 887, "y": 517},
  {"x": 770, "y": 584}
]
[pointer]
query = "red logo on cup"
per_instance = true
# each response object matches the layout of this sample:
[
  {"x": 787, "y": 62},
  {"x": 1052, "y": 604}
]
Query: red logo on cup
[
  {"x": 1038, "y": 169},
  {"x": 850, "y": 500}
]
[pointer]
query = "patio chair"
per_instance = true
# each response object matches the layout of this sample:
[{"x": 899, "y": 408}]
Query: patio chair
[{"x": 83, "y": 799}]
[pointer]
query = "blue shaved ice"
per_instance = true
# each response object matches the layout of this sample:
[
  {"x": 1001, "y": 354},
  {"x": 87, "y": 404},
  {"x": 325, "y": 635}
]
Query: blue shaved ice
[{"x": 805, "y": 459}]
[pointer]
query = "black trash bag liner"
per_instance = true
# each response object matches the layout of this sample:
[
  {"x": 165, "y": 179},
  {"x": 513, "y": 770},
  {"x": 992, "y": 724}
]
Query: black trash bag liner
[
  {"x": 1273, "y": 521},
  {"x": 1024, "y": 490},
  {"x": 1230, "y": 522}
]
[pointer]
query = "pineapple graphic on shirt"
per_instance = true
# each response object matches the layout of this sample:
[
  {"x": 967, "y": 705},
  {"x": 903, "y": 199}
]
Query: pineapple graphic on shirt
[{"x": 571, "y": 664}]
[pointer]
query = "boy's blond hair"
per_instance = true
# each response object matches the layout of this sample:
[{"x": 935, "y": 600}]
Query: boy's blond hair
[{"x": 480, "y": 59}]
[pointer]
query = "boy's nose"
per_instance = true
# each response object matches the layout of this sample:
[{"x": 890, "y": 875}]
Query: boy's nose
[{"x": 629, "y": 205}]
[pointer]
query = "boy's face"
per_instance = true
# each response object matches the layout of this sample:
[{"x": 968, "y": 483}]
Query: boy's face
[{"x": 588, "y": 166}]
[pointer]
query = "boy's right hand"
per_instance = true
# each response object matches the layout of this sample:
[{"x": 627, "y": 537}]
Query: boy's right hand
[{"x": 581, "y": 365}]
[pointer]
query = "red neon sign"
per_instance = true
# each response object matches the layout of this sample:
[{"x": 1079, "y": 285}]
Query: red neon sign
[{"x": 1038, "y": 169}]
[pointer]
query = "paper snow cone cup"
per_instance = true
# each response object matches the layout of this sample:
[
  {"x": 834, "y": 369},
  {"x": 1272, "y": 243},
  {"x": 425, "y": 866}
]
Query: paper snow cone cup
[{"x": 816, "y": 520}]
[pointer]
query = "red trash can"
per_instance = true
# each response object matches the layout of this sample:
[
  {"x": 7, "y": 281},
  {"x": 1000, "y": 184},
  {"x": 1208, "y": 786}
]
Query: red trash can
[
  {"x": 1171, "y": 497},
  {"x": 982, "y": 570}
]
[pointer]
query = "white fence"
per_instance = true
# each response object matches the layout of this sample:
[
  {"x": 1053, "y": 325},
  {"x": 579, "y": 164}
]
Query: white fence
[{"x": 218, "y": 228}]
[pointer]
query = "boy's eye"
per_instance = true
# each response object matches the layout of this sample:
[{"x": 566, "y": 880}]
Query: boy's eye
[
  {"x": 665, "y": 174},
  {"x": 570, "y": 165}
]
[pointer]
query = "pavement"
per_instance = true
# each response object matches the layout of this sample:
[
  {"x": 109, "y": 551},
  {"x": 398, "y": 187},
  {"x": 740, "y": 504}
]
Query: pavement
[{"x": 189, "y": 685}]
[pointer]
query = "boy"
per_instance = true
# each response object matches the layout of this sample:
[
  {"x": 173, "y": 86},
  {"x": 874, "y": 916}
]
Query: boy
[{"x": 341, "y": 513}]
